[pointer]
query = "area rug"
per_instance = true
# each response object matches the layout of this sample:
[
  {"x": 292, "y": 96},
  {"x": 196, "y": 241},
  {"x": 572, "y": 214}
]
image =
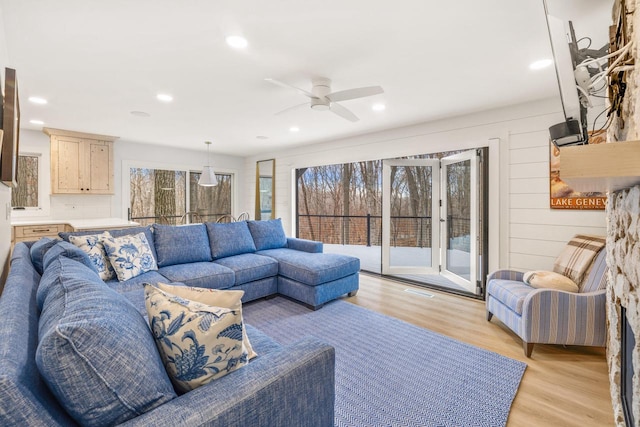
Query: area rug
[{"x": 392, "y": 373}]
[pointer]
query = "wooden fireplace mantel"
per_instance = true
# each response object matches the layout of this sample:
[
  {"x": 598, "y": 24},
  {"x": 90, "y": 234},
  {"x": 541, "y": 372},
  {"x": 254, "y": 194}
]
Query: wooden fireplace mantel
[{"x": 601, "y": 167}]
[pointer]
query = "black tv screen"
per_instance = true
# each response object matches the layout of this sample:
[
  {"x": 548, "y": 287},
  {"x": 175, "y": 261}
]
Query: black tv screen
[{"x": 10, "y": 128}]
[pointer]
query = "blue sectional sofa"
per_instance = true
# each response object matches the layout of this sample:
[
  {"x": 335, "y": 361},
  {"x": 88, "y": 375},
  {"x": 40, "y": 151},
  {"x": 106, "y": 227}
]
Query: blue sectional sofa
[
  {"x": 54, "y": 296},
  {"x": 253, "y": 256}
]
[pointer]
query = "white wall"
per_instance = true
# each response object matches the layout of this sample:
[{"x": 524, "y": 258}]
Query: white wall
[
  {"x": 125, "y": 153},
  {"x": 529, "y": 235}
]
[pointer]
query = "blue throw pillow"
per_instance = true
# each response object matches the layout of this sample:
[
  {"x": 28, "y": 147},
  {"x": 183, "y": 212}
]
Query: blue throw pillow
[
  {"x": 181, "y": 244},
  {"x": 228, "y": 239},
  {"x": 268, "y": 234},
  {"x": 39, "y": 249},
  {"x": 96, "y": 352}
]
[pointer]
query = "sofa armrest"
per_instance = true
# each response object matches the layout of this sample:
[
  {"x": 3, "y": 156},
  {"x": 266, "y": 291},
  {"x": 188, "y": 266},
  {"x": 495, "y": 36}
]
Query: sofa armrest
[
  {"x": 304, "y": 245},
  {"x": 506, "y": 275},
  {"x": 291, "y": 386},
  {"x": 557, "y": 317}
]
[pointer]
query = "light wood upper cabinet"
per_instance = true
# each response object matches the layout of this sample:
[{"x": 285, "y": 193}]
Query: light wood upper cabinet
[{"x": 81, "y": 163}]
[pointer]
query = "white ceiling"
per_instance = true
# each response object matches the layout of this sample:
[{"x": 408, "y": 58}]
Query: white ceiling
[{"x": 97, "y": 61}]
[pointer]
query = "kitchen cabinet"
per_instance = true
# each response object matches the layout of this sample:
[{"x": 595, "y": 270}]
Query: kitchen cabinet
[{"x": 81, "y": 163}]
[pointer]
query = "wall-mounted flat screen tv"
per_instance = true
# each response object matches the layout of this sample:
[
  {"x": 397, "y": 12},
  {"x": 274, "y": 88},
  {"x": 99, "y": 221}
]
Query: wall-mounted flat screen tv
[{"x": 10, "y": 128}]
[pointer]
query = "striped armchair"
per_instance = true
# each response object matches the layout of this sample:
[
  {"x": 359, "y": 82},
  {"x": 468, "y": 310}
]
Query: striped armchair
[{"x": 549, "y": 316}]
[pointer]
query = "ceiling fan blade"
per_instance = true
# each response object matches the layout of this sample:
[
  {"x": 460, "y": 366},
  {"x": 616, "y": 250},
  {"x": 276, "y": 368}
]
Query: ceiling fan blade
[
  {"x": 360, "y": 92},
  {"x": 288, "y": 86},
  {"x": 295, "y": 107},
  {"x": 343, "y": 112}
]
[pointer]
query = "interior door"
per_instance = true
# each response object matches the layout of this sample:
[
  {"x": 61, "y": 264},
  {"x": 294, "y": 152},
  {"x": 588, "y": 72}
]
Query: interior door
[
  {"x": 410, "y": 225},
  {"x": 459, "y": 182}
]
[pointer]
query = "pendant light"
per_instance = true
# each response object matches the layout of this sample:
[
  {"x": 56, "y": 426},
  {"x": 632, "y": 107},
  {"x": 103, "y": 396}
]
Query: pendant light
[{"x": 208, "y": 176}]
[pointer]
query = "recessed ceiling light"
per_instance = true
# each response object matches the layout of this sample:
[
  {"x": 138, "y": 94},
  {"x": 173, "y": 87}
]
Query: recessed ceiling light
[
  {"x": 140, "y": 114},
  {"x": 164, "y": 97},
  {"x": 36, "y": 122},
  {"x": 378, "y": 107},
  {"x": 237, "y": 42},
  {"x": 294, "y": 129},
  {"x": 539, "y": 65},
  {"x": 37, "y": 100}
]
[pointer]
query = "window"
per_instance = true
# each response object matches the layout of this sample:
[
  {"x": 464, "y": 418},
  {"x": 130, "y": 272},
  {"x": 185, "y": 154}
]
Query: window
[
  {"x": 210, "y": 203},
  {"x": 162, "y": 196},
  {"x": 25, "y": 194}
]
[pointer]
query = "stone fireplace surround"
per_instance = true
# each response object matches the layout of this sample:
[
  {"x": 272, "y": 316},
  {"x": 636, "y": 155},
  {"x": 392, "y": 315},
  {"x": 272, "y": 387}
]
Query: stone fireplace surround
[{"x": 623, "y": 235}]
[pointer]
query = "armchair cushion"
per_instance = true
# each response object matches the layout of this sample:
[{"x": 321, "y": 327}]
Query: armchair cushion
[
  {"x": 549, "y": 280},
  {"x": 511, "y": 293}
]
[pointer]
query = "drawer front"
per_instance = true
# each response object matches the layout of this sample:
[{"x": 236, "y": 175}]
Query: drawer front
[{"x": 36, "y": 231}]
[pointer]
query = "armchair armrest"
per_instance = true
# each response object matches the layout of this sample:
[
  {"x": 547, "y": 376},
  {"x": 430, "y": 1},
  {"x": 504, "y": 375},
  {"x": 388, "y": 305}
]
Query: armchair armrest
[
  {"x": 290, "y": 386},
  {"x": 557, "y": 317},
  {"x": 506, "y": 275},
  {"x": 304, "y": 245}
]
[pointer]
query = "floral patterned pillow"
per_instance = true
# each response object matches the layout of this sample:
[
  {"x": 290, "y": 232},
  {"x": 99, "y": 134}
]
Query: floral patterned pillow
[
  {"x": 130, "y": 255},
  {"x": 197, "y": 342},
  {"x": 92, "y": 245},
  {"x": 212, "y": 297}
]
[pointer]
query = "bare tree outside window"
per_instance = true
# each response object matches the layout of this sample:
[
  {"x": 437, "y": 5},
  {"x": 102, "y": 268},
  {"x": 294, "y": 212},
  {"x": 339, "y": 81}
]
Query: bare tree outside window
[
  {"x": 25, "y": 194},
  {"x": 157, "y": 195}
]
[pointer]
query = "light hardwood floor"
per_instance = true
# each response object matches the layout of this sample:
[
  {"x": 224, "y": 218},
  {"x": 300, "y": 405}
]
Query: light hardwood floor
[{"x": 562, "y": 386}]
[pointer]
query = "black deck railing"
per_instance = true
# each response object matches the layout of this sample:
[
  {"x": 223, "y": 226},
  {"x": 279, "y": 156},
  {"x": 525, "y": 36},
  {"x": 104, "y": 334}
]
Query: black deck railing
[{"x": 406, "y": 231}]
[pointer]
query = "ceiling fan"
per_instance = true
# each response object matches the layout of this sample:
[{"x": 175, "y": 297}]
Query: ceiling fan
[{"x": 323, "y": 99}]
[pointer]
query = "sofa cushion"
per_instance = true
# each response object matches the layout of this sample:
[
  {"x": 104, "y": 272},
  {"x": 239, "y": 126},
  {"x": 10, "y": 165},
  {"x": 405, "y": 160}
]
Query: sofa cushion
[
  {"x": 148, "y": 233},
  {"x": 50, "y": 282},
  {"x": 95, "y": 351},
  {"x": 39, "y": 249},
  {"x": 68, "y": 250},
  {"x": 92, "y": 245},
  {"x": 200, "y": 274},
  {"x": 129, "y": 255},
  {"x": 197, "y": 342},
  {"x": 211, "y": 297},
  {"x": 181, "y": 244},
  {"x": 267, "y": 234},
  {"x": 249, "y": 267},
  {"x": 25, "y": 399},
  {"x": 228, "y": 239},
  {"x": 313, "y": 269},
  {"x": 152, "y": 277}
]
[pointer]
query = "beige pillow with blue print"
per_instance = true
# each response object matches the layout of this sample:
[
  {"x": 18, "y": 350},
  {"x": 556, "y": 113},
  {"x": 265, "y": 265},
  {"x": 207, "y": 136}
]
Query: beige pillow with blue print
[
  {"x": 197, "y": 342},
  {"x": 130, "y": 255},
  {"x": 215, "y": 298},
  {"x": 92, "y": 245}
]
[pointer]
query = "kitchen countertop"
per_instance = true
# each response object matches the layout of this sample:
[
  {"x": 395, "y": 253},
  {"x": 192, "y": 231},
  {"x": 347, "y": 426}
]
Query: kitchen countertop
[{"x": 80, "y": 224}]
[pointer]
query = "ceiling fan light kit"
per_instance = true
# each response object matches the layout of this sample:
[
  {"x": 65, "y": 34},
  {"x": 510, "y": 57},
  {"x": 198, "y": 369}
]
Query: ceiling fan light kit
[{"x": 322, "y": 99}]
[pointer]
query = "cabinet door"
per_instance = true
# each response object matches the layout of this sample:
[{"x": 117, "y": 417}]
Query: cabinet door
[
  {"x": 66, "y": 159},
  {"x": 99, "y": 172}
]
